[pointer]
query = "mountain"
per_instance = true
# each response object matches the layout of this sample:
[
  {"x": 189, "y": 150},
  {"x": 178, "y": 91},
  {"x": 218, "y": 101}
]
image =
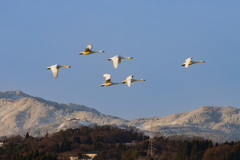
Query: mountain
[
  {"x": 14, "y": 95},
  {"x": 219, "y": 124},
  {"x": 21, "y": 113}
]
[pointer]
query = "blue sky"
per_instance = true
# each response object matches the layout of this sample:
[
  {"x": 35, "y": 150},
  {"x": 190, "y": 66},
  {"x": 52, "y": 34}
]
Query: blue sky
[{"x": 158, "y": 34}]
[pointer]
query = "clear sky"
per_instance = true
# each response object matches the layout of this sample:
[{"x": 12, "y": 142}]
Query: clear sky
[{"x": 158, "y": 34}]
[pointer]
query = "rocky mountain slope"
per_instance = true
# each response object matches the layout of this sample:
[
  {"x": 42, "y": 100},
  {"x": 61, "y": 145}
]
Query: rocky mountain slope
[{"x": 21, "y": 113}]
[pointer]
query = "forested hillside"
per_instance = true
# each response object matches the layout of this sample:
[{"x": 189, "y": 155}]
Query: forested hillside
[{"x": 113, "y": 143}]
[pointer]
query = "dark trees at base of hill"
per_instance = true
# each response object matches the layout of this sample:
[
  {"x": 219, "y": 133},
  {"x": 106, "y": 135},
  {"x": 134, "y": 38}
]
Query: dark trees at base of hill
[
  {"x": 193, "y": 150},
  {"x": 227, "y": 151},
  {"x": 80, "y": 140},
  {"x": 113, "y": 143}
]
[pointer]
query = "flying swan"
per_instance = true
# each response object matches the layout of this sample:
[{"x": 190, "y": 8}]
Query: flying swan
[
  {"x": 56, "y": 68},
  {"x": 130, "y": 79},
  {"x": 189, "y": 62},
  {"x": 117, "y": 60},
  {"x": 88, "y": 50},
  {"x": 108, "y": 81}
]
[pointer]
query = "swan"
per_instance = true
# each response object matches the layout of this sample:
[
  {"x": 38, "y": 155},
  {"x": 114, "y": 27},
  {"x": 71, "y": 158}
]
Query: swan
[
  {"x": 55, "y": 69},
  {"x": 117, "y": 60},
  {"x": 130, "y": 79},
  {"x": 190, "y": 62},
  {"x": 108, "y": 81},
  {"x": 88, "y": 50}
]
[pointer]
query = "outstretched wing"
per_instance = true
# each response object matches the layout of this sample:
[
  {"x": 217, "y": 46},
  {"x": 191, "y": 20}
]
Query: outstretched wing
[
  {"x": 129, "y": 80},
  {"x": 107, "y": 76},
  {"x": 54, "y": 71},
  {"x": 115, "y": 62},
  {"x": 187, "y": 62},
  {"x": 88, "y": 48}
]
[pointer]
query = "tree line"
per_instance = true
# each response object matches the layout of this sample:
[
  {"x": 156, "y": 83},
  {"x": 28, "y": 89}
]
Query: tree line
[{"x": 113, "y": 143}]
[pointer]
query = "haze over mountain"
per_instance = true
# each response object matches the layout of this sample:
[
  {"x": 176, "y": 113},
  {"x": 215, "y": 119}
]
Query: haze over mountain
[{"x": 21, "y": 113}]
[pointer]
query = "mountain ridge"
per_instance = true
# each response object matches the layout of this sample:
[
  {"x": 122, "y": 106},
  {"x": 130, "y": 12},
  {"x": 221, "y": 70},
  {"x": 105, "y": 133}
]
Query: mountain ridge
[
  {"x": 21, "y": 113},
  {"x": 206, "y": 122}
]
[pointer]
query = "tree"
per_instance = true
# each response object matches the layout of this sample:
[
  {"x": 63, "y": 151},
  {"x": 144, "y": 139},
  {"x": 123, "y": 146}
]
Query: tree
[
  {"x": 27, "y": 135},
  {"x": 66, "y": 145},
  {"x": 194, "y": 151},
  {"x": 184, "y": 151}
]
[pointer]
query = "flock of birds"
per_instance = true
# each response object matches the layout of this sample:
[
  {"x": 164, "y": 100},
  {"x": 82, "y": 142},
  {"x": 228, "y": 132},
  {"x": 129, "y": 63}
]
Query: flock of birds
[{"x": 116, "y": 61}]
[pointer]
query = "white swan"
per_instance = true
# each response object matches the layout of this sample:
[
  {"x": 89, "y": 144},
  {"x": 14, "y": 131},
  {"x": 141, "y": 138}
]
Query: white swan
[
  {"x": 88, "y": 50},
  {"x": 117, "y": 60},
  {"x": 130, "y": 79},
  {"x": 55, "y": 69},
  {"x": 108, "y": 81},
  {"x": 189, "y": 62}
]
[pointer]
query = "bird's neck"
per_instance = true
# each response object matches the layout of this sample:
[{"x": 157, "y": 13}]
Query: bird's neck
[
  {"x": 117, "y": 83},
  {"x": 67, "y": 66},
  {"x": 127, "y": 57},
  {"x": 199, "y": 62},
  {"x": 139, "y": 79},
  {"x": 97, "y": 51}
]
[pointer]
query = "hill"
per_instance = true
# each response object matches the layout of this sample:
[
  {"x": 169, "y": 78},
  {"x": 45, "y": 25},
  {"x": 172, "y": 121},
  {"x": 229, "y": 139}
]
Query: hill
[
  {"x": 216, "y": 123},
  {"x": 21, "y": 113}
]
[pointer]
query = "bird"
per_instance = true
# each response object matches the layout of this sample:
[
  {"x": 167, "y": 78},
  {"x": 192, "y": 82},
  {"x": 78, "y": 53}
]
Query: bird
[
  {"x": 190, "y": 62},
  {"x": 117, "y": 60},
  {"x": 55, "y": 69},
  {"x": 108, "y": 81},
  {"x": 130, "y": 79},
  {"x": 88, "y": 50}
]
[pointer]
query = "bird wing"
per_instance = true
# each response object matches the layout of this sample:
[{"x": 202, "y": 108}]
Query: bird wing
[
  {"x": 88, "y": 48},
  {"x": 54, "y": 71},
  {"x": 187, "y": 62},
  {"x": 115, "y": 62},
  {"x": 128, "y": 83},
  {"x": 107, "y": 76},
  {"x": 129, "y": 80}
]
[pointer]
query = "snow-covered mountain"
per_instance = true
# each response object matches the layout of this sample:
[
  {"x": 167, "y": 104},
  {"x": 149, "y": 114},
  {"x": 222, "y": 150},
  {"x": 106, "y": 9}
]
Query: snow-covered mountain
[
  {"x": 13, "y": 95},
  {"x": 216, "y": 123},
  {"x": 21, "y": 113}
]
